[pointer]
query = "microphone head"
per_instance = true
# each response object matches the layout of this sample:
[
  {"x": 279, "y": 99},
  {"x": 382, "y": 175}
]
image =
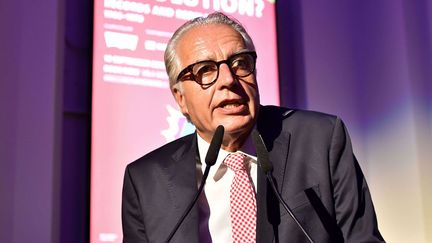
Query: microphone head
[
  {"x": 215, "y": 145},
  {"x": 262, "y": 153}
]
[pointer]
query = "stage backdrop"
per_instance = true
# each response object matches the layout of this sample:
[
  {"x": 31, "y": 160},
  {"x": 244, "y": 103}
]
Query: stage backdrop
[{"x": 133, "y": 111}]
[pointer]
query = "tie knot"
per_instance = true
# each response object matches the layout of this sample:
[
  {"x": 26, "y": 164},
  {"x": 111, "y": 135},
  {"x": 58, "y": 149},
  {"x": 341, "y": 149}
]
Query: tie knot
[{"x": 235, "y": 161}]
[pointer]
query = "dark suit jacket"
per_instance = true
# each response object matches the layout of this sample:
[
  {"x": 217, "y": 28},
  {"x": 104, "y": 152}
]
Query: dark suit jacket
[{"x": 314, "y": 168}]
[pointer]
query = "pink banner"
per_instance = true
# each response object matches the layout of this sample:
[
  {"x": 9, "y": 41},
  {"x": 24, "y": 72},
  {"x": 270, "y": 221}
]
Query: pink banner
[{"x": 133, "y": 111}]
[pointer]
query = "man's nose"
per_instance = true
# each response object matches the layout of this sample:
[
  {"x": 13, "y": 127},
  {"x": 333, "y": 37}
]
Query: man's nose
[{"x": 226, "y": 77}]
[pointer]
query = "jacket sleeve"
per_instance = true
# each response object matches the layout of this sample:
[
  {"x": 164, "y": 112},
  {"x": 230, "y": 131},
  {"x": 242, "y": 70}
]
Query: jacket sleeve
[
  {"x": 132, "y": 218},
  {"x": 355, "y": 214}
]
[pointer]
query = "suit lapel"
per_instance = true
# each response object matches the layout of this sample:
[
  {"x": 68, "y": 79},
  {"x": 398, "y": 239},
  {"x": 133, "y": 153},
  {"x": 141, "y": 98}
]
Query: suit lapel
[
  {"x": 182, "y": 186},
  {"x": 182, "y": 182},
  {"x": 264, "y": 230},
  {"x": 277, "y": 142},
  {"x": 279, "y": 158}
]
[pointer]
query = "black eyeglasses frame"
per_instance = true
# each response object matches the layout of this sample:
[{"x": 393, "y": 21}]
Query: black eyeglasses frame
[{"x": 189, "y": 68}]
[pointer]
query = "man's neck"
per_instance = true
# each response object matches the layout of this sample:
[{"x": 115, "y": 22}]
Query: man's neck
[{"x": 243, "y": 144}]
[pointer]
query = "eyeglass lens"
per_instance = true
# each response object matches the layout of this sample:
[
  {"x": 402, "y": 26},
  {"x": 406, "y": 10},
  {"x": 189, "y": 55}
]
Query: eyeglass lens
[{"x": 241, "y": 65}]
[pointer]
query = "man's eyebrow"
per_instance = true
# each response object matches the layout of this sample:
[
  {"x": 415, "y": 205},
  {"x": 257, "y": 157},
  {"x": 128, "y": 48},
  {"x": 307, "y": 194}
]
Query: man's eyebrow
[
  {"x": 206, "y": 58},
  {"x": 210, "y": 58},
  {"x": 240, "y": 51}
]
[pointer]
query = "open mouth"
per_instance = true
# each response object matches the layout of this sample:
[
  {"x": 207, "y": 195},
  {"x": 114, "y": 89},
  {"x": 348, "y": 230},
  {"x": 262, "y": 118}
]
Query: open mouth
[
  {"x": 231, "y": 103},
  {"x": 233, "y": 106}
]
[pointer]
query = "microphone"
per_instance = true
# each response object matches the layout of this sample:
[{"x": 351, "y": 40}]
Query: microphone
[
  {"x": 214, "y": 147},
  {"x": 210, "y": 160},
  {"x": 265, "y": 164}
]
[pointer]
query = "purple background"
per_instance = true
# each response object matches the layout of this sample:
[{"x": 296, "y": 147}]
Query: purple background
[{"x": 370, "y": 62}]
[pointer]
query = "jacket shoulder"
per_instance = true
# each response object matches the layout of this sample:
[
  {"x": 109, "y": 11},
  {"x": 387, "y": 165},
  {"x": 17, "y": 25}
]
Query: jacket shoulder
[
  {"x": 296, "y": 118},
  {"x": 164, "y": 153}
]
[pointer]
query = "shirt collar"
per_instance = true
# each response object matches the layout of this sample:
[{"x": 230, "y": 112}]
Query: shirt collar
[{"x": 248, "y": 149}]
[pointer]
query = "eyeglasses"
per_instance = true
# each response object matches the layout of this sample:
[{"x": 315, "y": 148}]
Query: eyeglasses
[{"x": 205, "y": 73}]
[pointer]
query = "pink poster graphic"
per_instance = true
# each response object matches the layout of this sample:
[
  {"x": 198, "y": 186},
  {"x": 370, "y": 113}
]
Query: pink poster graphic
[{"x": 133, "y": 111}]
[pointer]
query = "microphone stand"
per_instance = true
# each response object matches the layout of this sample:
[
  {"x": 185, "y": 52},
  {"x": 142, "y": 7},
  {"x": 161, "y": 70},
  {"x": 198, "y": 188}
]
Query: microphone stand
[
  {"x": 191, "y": 204},
  {"x": 266, "y": 166},
  {"x": 210, "y": 160}
]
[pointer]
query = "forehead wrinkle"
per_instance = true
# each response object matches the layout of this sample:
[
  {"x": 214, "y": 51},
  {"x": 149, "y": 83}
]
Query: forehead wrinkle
[
  {"x": 203, "y": 45},
  {"x": 226, "y": 53},
  {"x": 219, "y": 52},
  {"x": 184, "y": 52}
]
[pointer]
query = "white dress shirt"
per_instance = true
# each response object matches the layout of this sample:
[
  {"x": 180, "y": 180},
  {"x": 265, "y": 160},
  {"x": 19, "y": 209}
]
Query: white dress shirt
[{"x": 214, "y": 203}]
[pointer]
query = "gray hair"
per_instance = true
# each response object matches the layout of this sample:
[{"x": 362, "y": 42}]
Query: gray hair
[{"x": 172, "y": 64}]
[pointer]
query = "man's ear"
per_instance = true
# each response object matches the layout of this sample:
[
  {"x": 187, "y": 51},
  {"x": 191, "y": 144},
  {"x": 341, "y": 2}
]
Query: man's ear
[{"x": 180, "y": 99}]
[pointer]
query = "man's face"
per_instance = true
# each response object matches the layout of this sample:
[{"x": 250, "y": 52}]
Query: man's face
[{"x": 230, "y": 101}]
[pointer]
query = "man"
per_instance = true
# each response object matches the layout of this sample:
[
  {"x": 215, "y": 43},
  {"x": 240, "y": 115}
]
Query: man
[{"x": 213, "y": 79}]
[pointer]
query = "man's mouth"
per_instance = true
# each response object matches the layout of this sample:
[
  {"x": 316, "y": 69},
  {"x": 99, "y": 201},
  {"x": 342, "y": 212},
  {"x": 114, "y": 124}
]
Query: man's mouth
[
  {"x": 231, "y": 103},
  {"x": 233, "y": 106}
]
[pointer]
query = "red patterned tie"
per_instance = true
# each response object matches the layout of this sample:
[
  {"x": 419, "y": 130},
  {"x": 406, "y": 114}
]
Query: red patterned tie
[{"x": 242, "y": 201}]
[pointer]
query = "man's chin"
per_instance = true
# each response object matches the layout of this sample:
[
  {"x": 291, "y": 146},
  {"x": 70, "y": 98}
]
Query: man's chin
[{"x": 238, "y": 127}]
